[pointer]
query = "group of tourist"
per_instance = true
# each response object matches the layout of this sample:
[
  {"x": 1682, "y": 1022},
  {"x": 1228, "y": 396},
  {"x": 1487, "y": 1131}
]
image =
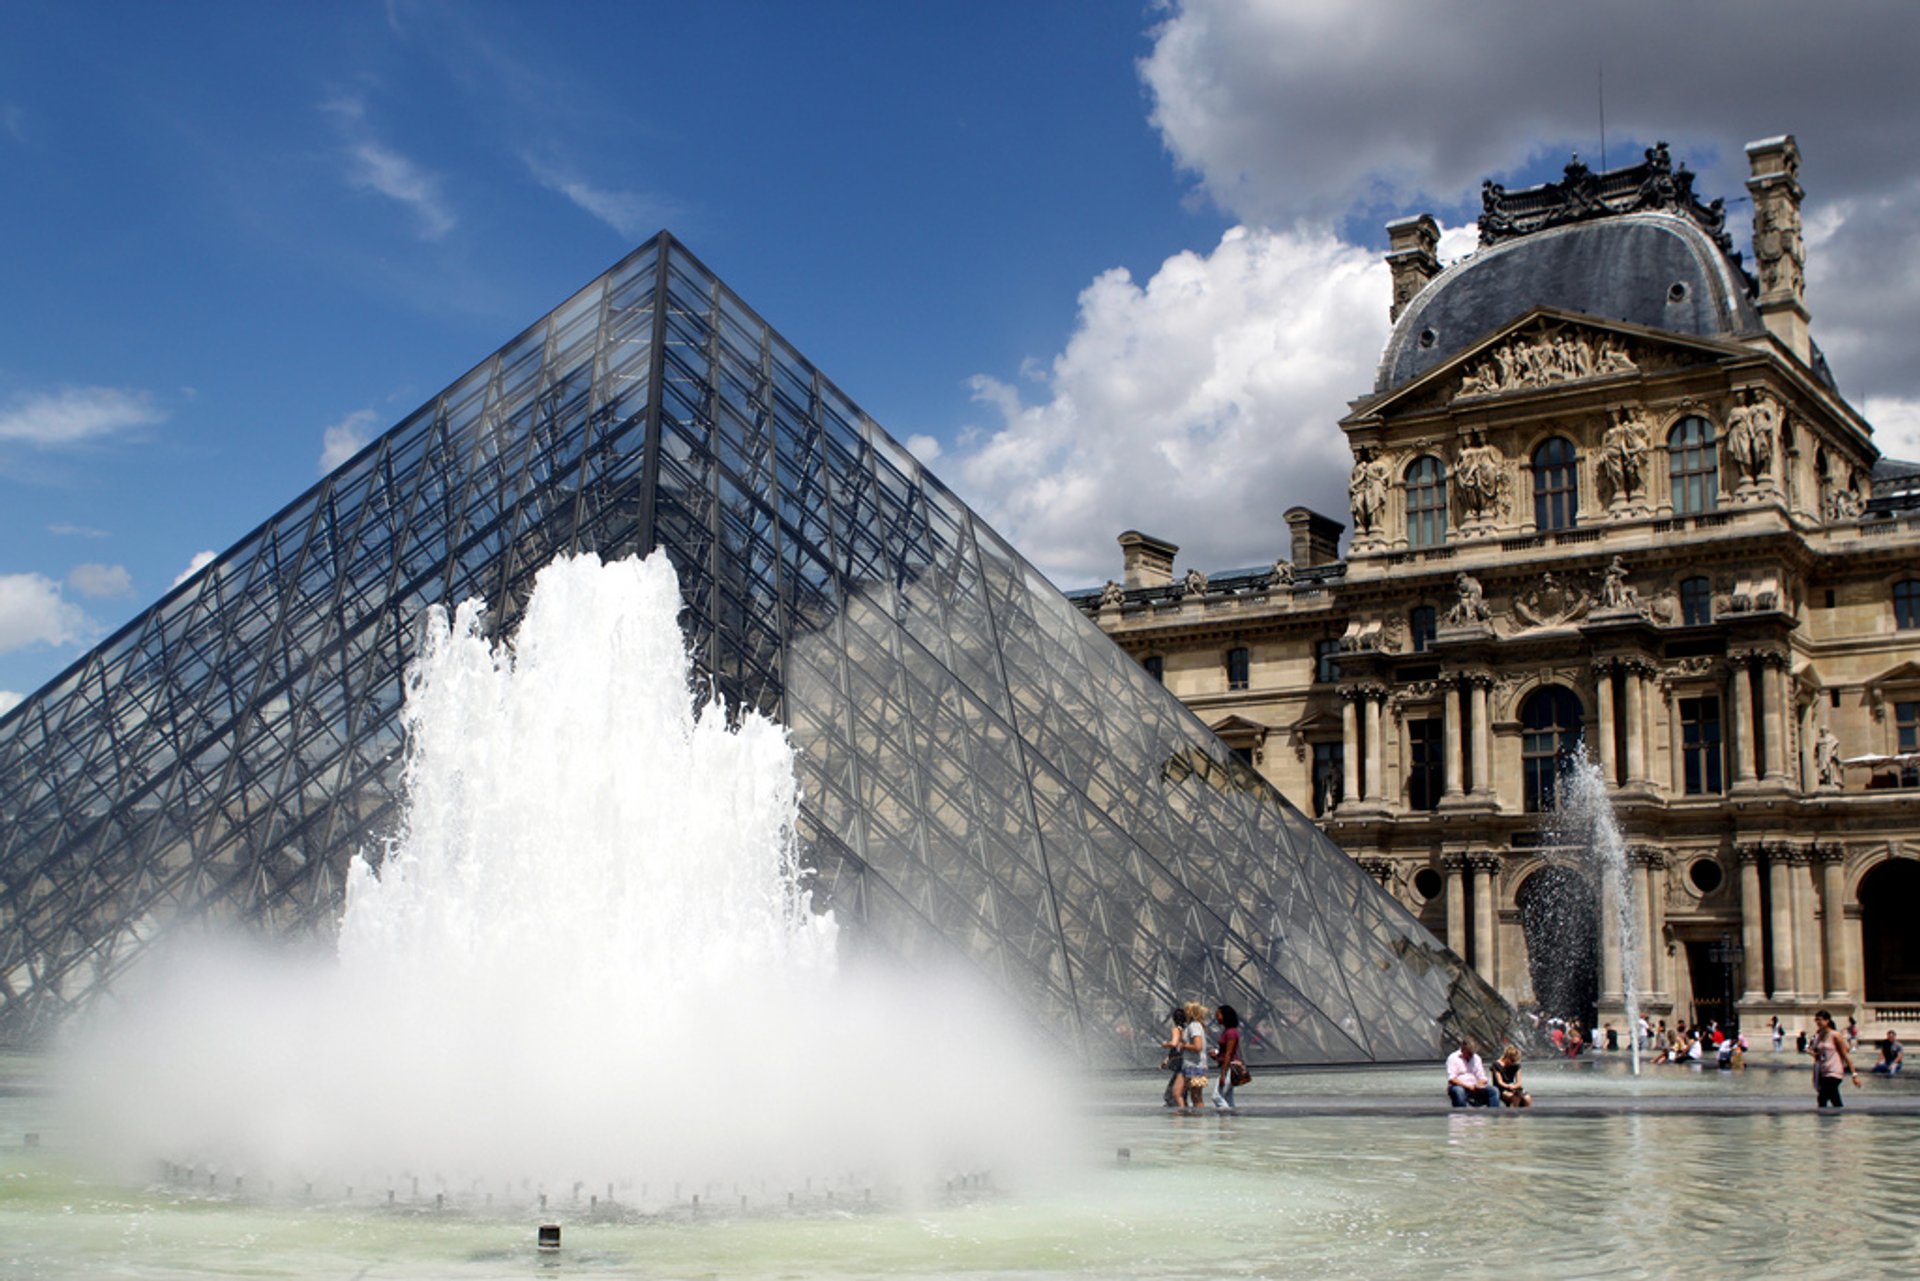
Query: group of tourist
[
  {"x": 1471, "y": 1084},
  {"x": 1189, "y": 1057}
]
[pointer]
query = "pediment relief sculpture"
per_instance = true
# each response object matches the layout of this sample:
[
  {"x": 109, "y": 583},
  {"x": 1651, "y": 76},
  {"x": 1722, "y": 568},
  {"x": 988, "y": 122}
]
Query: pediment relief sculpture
[
  {"x": 1551, "y": 601},
  {"x": 1544, "y": 358}
]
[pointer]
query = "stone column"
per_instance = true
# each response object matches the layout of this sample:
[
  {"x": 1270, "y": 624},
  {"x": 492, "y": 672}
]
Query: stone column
[
  {"x": 1780, "y": 874},
  {"x": 1349, "y": 748},
  {"x": 1649, "y": 701},
  {"x": 1752, "y": 925},
  {"x": 1773, "y": 713},
  {"x": 1832, "y": 859},
  {"x": 1676, "y": 752},
  {"x": 1612, "y": 990},
  {"x": 1456, "y": 866},
  {"x": 1375, "y": 789},
  {"x": 1636, "y": 727},
  {"x": 1482, "y": 738},
  {"x": 1645, "y": 915},
  {"x": 1806, "y": 925},
  {"x": 1603, "y": 691},
  {"x": 1450, "y": 709},
  {"x": 1856, "y": 965},
  {"x": 1484, "y": 868},
  {"x": 1740, "y": 723}
]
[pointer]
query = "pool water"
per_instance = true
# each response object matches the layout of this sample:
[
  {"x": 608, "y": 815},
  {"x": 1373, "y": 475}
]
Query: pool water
[{"x": 1622, "y": 1194}]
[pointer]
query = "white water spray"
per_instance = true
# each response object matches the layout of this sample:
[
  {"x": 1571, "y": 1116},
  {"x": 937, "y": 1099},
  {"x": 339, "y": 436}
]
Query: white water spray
[
  {"x": 588, "y": 960},
  {"x": 1583, "y": 813}
]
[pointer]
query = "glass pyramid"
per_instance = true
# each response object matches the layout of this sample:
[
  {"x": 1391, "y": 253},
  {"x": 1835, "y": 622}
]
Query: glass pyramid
[{"x": 985, "y": 776}]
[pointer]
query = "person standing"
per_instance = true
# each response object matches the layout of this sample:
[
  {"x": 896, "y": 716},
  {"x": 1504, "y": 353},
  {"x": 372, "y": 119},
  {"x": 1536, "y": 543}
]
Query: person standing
[
  {"x": 1467, "y": 1081},
  {"x": 1227, "y": 1056},
  {"x": 1779, "y": 1031},
  {"x": 1193, "y": 1058},
  {"x": 1176, "y": 1084},
  {"x": 1830, "y": 1062}
]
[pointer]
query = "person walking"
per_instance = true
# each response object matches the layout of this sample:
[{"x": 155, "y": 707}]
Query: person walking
[
  {"x": 1171, "y": 1061},
  {"x": 1193, "y": 1058},
  {"x": 1831, "y": 1065},
  {"x": 1226, "y": 1056}
]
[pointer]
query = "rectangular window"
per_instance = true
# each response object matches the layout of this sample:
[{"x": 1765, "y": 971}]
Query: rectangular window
[
  {"x": 1243, "y": 754},
  {"x": 1423, "y": 622},
  {"x": 1326, "y": 661},
  {"x": 1700, "y": 745},
  {"x": 1906, "y": 732},
  {"x": 1426, "y": 765},
  {"x": 1329, "y": 776},
  {"x": 1237, "y": 668},
  {"x": 1156, "y": 667}
]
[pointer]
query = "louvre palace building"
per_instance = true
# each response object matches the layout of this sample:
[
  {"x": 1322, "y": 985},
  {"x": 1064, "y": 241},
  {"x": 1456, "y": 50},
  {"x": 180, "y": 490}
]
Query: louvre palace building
[{"x": 1606, "y": 500}]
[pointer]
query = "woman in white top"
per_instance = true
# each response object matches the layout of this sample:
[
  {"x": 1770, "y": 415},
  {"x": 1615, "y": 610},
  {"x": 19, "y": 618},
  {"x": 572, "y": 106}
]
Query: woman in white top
[{"x": 1193, "y": 1058}]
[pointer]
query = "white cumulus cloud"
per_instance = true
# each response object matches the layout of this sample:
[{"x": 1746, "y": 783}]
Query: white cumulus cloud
[
  {"x": 34, "y": 612},
  {"x": 76, "y": 415},
  {"x": 1896, "y": 425},
  {"x": 923, "y": 447},
  {"x": 1197, "y": 407},
  {"x": 100, "y": 582},
  {"x": 346, "y": 438},
  {"x": 199, "y": 562},
  {"x": 9, "y": 700}
]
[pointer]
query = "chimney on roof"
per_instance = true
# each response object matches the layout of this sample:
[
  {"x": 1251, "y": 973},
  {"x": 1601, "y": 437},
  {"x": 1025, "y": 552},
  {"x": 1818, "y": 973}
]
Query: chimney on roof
[
  {"x": 1316, "y": 538},
  {"x": 1148, "y": 560},
  {"x": 1779, "y": 251},
  {"x": 1413, "y": 255}
]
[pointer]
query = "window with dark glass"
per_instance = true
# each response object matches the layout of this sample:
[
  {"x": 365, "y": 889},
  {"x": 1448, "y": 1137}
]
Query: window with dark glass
[
  {"x": 1326, "y": 661},
  {"x": 1426, "y": 768},
  {"x": 1906, "y": 604},
  {"x": 1156, "y": 667},
  {"x": 1550, "y": 733},
  {"x": 1906, "y": 740},
  {"x": 1696, "y": 602},
  {"x": 1700, "y": 754},
  {"x": 1426, "y": 502},
  {"x": 1243, "y": 754},
  {"x": 1329, "y": 776},
  {"x": 1556, "y": 487},
  {"x": 1693, "y": 466},
  {"x": 1237, "y": 667},
  {"x": 1423, "y": 623}
]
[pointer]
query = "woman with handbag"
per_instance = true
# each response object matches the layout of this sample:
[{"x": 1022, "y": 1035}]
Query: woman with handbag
[
  {"x": 1233, "y": 1071},
  {"x": 1175, "y": 1095}
]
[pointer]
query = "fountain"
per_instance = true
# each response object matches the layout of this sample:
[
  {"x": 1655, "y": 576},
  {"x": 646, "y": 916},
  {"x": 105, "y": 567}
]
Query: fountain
[
  {"x": 1583, "y": 817},
  {"x": 588, "y": 961}
]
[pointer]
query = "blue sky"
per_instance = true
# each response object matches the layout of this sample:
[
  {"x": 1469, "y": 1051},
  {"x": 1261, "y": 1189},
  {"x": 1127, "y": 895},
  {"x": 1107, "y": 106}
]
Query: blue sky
[{"x": 1105, "y": 264}]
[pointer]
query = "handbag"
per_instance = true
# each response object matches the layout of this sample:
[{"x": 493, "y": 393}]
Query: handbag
[
  {"x": 1172, "y": 1062},
  {"x": 1238, "y": 1073}
]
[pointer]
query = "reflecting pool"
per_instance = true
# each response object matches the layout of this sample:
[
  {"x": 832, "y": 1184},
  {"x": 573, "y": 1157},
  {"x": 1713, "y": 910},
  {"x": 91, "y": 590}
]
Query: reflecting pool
[{"x": 1631, "y": 1193}]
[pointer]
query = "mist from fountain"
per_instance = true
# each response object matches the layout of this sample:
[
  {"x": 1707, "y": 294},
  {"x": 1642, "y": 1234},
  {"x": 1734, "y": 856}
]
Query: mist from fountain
[
  {"x": 1584, "y": 818},
  {"x": 589, "y": 957}
]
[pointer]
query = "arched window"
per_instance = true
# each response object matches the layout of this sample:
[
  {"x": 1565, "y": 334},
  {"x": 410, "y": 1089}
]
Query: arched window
[
  {"x": 1693, "y": 467},
  {"x": 1556, "y": 485},
  {"x": 1696, "y": 602},
  {"x": 1906, "y": 604},
  {"x": 1237, "y": 667},
  {"x": 1550, "y": 723},
  {"x": 1889, "y": 896},
  {"x": 1426, "y": 502}
]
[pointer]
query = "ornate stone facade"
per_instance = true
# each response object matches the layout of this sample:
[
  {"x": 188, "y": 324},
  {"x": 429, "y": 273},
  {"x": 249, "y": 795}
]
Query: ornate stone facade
[{"x": 1666, "y": 547}]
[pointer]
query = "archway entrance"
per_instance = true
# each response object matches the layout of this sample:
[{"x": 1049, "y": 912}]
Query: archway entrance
[
  {"x": 1889, "y": 904},
  {"x": 1560, "y": 916}
]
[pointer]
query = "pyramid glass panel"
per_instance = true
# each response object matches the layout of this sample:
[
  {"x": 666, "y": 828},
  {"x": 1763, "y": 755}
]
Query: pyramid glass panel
[{"x": 985, "y": 777}]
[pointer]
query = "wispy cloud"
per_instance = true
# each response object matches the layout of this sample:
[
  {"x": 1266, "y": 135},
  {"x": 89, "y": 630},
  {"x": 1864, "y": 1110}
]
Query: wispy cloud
[
  {"x": 373, "y": 165},
  {"x": 9, "y": 700},
  {"x": 346, "y": 438},
  {"x": 63, "y": 529},
  {"x": 100, "y": 582},
  {"x": 76, "y": 415},
  {"x": 13, "y": 121},
  {"x": 631, "y": 213},
  {"x": 199, "y": 562},
  {"x": 34, "y": 612}
]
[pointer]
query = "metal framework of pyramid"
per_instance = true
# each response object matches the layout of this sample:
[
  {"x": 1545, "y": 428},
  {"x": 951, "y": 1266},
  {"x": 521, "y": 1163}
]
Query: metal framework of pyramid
[{"x": 985, "y": 776}]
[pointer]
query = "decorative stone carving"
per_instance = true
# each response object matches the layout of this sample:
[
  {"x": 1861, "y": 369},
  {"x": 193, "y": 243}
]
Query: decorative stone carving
[
  {"x": 1840, "y": 499},
  {"x": 1582, "y": 194},
  {"x": 1543, "y": 359},
  {"x": 1551, "y": 602},
  {"x": 1752, "y": 428},
  {"x": 1778, "y": 249},
  {"x": 1621, "y": 452},
  {"x": 1281, "y": 575},
  {"x": 1112, "y": 596},
  {"x": 1470, "y": 603},
  {"x": 1367, "y": 493},
  {"x": 1616, "y": 595},
  {"x": 1194, "y": 584},
  {"x": 1826, "y": 759},
  {"x": 1480, "y": 479}
]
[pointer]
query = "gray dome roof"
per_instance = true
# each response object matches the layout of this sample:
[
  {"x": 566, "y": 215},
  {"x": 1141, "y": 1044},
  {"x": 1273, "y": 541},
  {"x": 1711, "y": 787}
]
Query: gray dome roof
[{"x": 1654, "y": 269}]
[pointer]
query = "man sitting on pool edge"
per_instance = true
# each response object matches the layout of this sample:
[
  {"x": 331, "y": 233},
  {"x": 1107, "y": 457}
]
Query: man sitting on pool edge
[{"x": 1467, "y": 1083}]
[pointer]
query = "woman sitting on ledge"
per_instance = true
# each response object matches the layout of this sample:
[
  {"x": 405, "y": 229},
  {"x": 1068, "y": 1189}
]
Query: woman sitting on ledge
[{"x": 1506, "y": 1079}]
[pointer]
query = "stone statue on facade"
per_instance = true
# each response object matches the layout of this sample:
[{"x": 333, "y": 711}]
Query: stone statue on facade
[
  {"x": 1281, "y": 575},
  {"x": 1194, "y": 584},
  {"x": 1470, "y": 602},
  {"x": 1826, "y": 757},
  {"x": 1622, "y": 450},
  {"x": 1367, "y": 492},
  {"x": 1752, "y": 427},
  {"x": 1112, "y": 596},
  {"x": 1615, "y": 592},
  {"x": 1479, "y": 477}
]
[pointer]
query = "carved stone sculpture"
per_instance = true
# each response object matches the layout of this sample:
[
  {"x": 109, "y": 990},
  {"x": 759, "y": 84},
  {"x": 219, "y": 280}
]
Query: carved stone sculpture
[
  {"x": 1194, "y": 584},
  {"x": 1281, "y": 575},
  {"x": 1752, "y": 428},
  {"x": 1367, "y": 492},
  {"x": 1112, "y": 596},
  {"x": 1615, "y": 592},
  {"x": 1622, "y": 451},
  {"x": 1470, "y": 602},
  {"x": 1550, "y": 603},
  {"x": 1479, "y": 478},
  {"x": 1826, "y": 757}
]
